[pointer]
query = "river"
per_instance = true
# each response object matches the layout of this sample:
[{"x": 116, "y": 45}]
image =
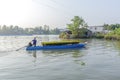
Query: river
[{"x": 100, "y": 60}]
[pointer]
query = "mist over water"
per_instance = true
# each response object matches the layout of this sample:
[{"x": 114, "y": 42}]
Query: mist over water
[{"x": 100, "y": 60}]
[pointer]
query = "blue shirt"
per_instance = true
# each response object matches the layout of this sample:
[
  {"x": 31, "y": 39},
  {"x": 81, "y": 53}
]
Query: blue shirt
[{"x": 34, "y": 41}]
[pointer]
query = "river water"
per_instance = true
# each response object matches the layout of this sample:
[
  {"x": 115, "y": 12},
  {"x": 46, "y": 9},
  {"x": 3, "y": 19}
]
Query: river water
[{"x": 100, "y": 60}]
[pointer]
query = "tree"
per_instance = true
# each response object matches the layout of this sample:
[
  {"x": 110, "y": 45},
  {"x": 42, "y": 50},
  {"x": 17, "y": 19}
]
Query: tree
[
  {"x": 111, "y": 27},
  {"x": 77, "y": 23},
  {"x": 106, "y": 27},
  {"x": 46, "y": 29},
  {"x": 16, "y": 30}
]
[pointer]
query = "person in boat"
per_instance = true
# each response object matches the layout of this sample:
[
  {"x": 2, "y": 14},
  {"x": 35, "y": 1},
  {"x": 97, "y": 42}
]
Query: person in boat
[
  {"x": 34, "y": 41},
  {"x": 30, "y": 44}
]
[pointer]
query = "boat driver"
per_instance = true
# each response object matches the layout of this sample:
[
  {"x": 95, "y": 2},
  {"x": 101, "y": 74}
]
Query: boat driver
[{"x": 34, "y": 41}]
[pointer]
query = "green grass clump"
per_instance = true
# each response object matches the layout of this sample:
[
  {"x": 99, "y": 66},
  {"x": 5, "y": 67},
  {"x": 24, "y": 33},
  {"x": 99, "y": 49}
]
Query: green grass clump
[
  {"x": 113, "y": 35},
  {"x": 60, "y": 42}
]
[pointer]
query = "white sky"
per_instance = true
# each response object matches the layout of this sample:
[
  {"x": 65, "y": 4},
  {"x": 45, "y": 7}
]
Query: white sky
[{"x": 58, "y": 13}]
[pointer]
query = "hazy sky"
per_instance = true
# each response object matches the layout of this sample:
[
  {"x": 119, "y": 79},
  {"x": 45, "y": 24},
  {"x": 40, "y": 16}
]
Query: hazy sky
[{"x": 58, "y": 13}]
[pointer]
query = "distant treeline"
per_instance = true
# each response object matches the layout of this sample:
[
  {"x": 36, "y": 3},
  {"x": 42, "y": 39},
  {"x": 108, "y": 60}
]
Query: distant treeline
[
  {"x": 16, "y": 30},
  {"x": 111, "y": 26}
]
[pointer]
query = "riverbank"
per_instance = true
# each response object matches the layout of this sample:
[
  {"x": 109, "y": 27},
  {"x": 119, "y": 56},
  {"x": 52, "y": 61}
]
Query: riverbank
[{"x": 108, "y": 36}]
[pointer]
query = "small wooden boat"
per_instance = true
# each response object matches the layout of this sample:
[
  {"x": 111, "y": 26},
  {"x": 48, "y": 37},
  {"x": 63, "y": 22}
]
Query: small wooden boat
[{"x": 51, "y": 47}]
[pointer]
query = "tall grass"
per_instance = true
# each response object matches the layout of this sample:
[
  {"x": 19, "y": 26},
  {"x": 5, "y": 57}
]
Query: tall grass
[{"x": 113, "y": 35}]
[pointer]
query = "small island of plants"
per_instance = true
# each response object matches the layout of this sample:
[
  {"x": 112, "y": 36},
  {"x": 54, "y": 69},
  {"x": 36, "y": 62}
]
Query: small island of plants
[{"x": 78, "y": 28}]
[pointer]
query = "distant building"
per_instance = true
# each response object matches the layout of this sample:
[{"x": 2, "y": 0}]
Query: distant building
[{"x": 95, "y": 29}]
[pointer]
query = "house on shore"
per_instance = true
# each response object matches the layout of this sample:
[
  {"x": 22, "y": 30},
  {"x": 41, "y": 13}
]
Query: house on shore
[{"x": 96, "y": 29}]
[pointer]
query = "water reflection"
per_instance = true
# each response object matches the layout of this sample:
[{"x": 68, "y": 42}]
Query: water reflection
[
  {"x": 109, "y": 45},
  {"x": 33, "y": 54},
  {"x": 77, "y": 56},
  {"x": 117, "y": 46},
  {"x": 55, "y": 53},
  {"x": 75, "y": 53},
  {"x": 80, "y": 62}
]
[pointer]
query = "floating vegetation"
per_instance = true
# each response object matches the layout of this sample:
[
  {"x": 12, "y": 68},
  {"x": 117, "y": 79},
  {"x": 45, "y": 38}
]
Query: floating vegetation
[
  {"x": 60, "y": 42},
  {"x": 82, "y": 63}
]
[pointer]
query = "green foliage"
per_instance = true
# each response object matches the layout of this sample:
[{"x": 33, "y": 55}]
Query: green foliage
[
  {"x": 115, "y": 34},
  {"x": 63, "y": 35},
  {"x": 98, "y": 35},
  {"x": 81, "y": 34},
  {"x": 16, "y": 30},
  {"x": 60, "y": 42},
  {"x": 111, "y": 27},
  {"x": 115, "y": 31},
  {"x": 77, "y": 22}
]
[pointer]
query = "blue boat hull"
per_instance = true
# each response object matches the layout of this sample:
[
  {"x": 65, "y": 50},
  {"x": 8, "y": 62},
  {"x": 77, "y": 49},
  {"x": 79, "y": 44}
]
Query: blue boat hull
[{"x": 71, "y": 46}]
